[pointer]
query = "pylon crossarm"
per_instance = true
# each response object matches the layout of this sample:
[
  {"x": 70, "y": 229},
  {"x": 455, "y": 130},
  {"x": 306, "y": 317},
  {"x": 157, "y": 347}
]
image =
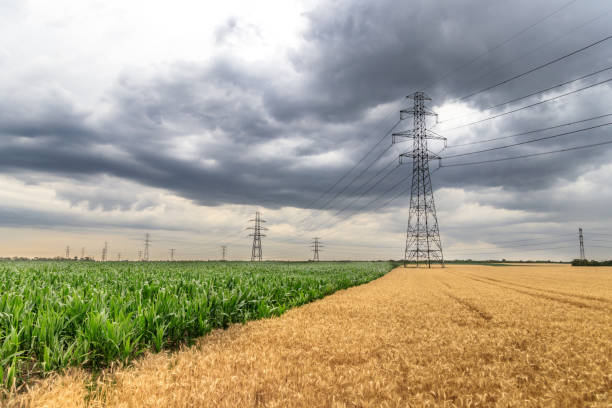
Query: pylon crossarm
[
  {"x": 404, "y": 133},
  {"x": 433, "y": 156},
  {"x": 411, "y": 112},
  {"x": 433, "y": 136},
  {"x": 404, "y": 156},
  {"x": 401, "y": 137}
]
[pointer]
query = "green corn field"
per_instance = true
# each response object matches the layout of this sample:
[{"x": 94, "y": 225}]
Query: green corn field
[{"x": 59, "y": 314}]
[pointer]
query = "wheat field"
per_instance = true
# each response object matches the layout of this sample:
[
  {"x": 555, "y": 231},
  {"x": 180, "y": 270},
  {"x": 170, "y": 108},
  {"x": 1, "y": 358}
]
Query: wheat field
[{"x": 466, "y": 336}]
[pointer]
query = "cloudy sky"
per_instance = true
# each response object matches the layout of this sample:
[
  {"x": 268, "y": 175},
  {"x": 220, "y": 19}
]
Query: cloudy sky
[{"x": 183, "y": 118}]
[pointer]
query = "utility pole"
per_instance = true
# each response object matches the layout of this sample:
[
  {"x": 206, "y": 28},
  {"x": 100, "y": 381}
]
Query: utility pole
[
  {"x": 146, "y": 247},
  {"x": 316, "y": 247},
  {"x": 140, "y": 255},
  {"x": 83, "y": 253},
  {"x": 67, "y": 252},
  {"x": 581, "y": 240},
  {"x": 423, "y": 241},
  {"x": 104, "y": 251},
  {"x": 119, "y": 256},
  {"x": 256, "y": 250},
  {"x": 172, "y": 254},
  {"x": 223, "y": 252}
]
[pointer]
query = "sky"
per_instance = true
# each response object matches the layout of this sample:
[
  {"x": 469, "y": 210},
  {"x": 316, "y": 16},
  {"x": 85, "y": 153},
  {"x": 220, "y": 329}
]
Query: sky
[{"x": 181, "y": 119}]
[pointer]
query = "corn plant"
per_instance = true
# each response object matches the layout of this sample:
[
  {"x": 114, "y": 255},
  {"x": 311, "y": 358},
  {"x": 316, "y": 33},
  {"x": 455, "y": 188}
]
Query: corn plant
[{"x": 59, "y": 314}]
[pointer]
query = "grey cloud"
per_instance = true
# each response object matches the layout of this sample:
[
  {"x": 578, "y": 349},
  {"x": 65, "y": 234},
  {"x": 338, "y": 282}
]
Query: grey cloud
[{"x": 356, "y": 56}]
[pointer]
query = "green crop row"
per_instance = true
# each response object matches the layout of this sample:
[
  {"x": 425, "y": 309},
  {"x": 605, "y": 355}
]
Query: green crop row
[{"x": 59, "y": 314}]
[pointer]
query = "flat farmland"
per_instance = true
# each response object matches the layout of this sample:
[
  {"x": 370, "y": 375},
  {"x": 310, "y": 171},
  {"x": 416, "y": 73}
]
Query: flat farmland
[{"x": 465, "y": 335}]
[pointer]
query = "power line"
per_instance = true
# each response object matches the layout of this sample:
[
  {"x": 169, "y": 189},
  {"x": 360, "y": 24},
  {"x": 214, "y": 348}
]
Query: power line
[
  {"x": 355, "y": 178},
  {"x": 528, "y": 141},
  {"x": 519, "y": 33},
  {"x": 444, "y": 76},
  {"x": 364, "y": 207},
  {"x": 534, "y": 93},
  {"x": 502, "y": 251},
  {"x": 530, "y": 155},
  {"x": 363, "y": 158},
  {"x": 593, "y": 44},
  {"x": 529, "y": 239},
  {"x": 360, "y": 195},
  {"x": 495, "y": 246},
  {"x": 529, "y": 106},
  {"x": 599, "y": 239},
  {"x": 369, "y": 180},
  {"x": 542, "y": 45},
  {"x": 354, "y": 167},
  {"x": 529, "y": 132},
  {"x": 599, "y": 233}
]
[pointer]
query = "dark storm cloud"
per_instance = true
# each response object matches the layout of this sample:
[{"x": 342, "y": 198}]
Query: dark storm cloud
[{"x": 356, "y": 56}]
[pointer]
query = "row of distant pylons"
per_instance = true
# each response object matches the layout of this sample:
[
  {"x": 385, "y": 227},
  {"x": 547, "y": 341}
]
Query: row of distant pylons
[{"x": 256, "y": 250}]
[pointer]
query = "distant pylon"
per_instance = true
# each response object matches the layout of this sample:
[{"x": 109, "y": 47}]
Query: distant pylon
[
  {"x": 172, "y": 254},
  {"x": 581, "y": 239},
  {"x": 104, "y": 251},
  {"x": 316, "y": 247},
  {"x": 83, "y": 253},
  {"x": 423, "y": 241},
  {"x": 67, "y": 252},
  {"x": 223, "y": 252},
  {"x": 140, "y": 255},
  {"x": 145, "y": 256},
  {"x": 119, "y": 256},
  {"x": 256, "y": 250}
]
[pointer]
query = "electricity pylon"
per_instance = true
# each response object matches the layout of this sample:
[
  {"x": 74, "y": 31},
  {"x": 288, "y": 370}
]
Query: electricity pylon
[
  {"x": 423, "y": 243},
  {"x": 104, "y": 251},
  {"x": 67, "y": 252},
  {"x": 223, "y": 252},
  {"x": 316, "y": 247},
  {"x": 581, "y": 239},
  {"x": 257, "y": 228},
  {"x": 172, "y": 254},
  {"x": 145, "y": 256}
]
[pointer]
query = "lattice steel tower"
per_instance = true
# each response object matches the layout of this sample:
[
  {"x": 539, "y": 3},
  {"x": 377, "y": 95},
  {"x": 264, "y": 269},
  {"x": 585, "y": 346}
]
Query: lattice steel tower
[
  {"x": 423, "y": 243},
  {"x": 147, "y": 244},
  {"x": 104, "y": 251},
  {"x": 581, "y": 239},
  {"x": 256, "y": 251},
  {"x": 316, "y": 247}
]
